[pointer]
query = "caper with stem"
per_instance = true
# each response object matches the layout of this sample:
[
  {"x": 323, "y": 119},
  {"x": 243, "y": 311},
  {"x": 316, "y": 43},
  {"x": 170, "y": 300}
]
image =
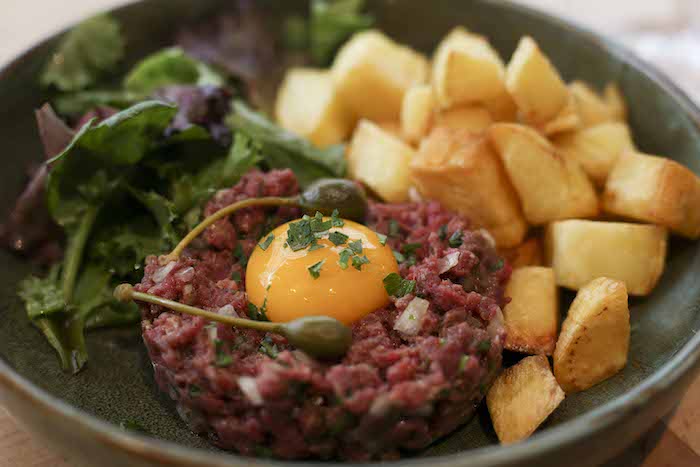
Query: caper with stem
[
  {"x": 318, "y": 336},
  {"x": 324, "y": 195}
]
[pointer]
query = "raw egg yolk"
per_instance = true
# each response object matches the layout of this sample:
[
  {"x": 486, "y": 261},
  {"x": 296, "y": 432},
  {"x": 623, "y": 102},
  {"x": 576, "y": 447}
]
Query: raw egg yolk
[{"x": 280, "y": 279}]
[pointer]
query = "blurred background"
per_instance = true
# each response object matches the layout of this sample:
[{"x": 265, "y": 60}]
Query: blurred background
[{"x": 665, "y": 32}]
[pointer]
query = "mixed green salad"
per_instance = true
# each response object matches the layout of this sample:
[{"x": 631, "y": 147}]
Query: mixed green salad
[{"x": 131, "y": 157}]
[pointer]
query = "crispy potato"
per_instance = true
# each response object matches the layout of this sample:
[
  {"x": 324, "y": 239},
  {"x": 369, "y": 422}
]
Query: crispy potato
[
  {"x": 522, "y": 397},
  {"x": 372, "y": 73},
  {"x": 595, "y": 336},
  {"x": 308, "y": 105},
  {"x": 567, "y": 120},
  {"x": 466, "y": 69},
  {"x": 474, "y": 118},
  {"x": 502, "y": 108},
  {"x": 615, "y": 102},
  {"x": 535, "y": 84},
  {"x": 654, "y": 189},
  {"x": 392, "y": 128},
  {"x": 592, "y": 109},
  {"x": 596, "y": 148},
  {"x": 528, "y": 253},
  {"x": 380, "y": 160},
  {"x": 550, "y": 187},
  {"x": 580, "y": 251},
  {"x": 417, "y": 112},
  {"x": 532, "y": 316},
  {"x": 459, "y": 169}
]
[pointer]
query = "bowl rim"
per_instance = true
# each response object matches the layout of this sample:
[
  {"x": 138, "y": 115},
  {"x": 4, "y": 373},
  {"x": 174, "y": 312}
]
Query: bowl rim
[{"x": 683, "y": 362}]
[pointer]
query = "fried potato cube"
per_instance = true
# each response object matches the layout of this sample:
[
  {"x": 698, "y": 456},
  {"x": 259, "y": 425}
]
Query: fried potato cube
[
  {"x": 595, "y": 336},
  {"x": 474, "y": 118},
  {"x": 550, "y": 187},
  {"x": 615, "y": 102},
  {"x": 380, "y": 160},
  {"x": 502, "y": 108},
  {"x": 528, "y": 253},
  {"x": 460, "y": 170},
  {"x": 417, "y": 111},
  {"x": 466, "y": 69},
  {"x": 596, "y": 148},
  {"x": 591, "y": 107},
  {"x": 532, "y": 316},
  {"x": 654, "y": 189},
  {"x": 372, "y": 73},
  {"x": 392, "y": 128},
  {"x": 580, "y": 251},
  {"x": 567, "y": 120},
  {"x": 535, "y": 84},
  {"x": 308, "y": 105},
  {"x": 522, "y": 397}
]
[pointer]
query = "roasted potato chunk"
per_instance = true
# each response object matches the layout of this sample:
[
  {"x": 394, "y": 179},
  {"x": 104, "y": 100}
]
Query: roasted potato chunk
[
  {"x": 308, "y": 105},
  {"x": 615, "y": 102},
  {"x": 466, "y": 69},
  {"x": 654, "y": 189},
  {"x": 459, "y": 169},
  {"x": 502, "y": 108},
  {"x": 550, "y": 187},
  {"x": 528, "y": 253},
  {"x": 567, "y": 120},
  {"x": 595, "y": 336},
  {"x": 532, "y": 316},
  {"x": 417, "y": 112},
  {"x": 380, "y": 160},
  {"x": 591, "y": 107},
  {"x": 580, "y": 251},
  {"x": 474, "y": 118},
  {"x": 522, "y": 397},
  {"x": 596, "y": 148},
  {"x": 535, "y": 84},
  {"x": 372, "y": 73}
]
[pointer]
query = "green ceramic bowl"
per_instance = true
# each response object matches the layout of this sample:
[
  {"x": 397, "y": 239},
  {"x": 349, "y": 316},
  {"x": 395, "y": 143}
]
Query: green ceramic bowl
[{"x": 80, "y": 415}]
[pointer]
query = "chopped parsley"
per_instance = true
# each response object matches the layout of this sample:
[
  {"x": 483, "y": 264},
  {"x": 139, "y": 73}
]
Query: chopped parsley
[
  {"x": 336, "y": 221},
  {"x": 356, "y": 247},
  {"x": 318, "y": 224},
  {"x": 266, "y": 243},
  {"x": 338, "y": 238},
  {"x": 236, "y": 276},
  {"x": 358, "y": 261},
  {"x": 268, "y": 347},
  {"x": 240, "y": 255},
  {"x": 194, "y": 390},
  {"x": 345, "y": 256},
  {"x": 258, "y": 314},
  {"x": 463, "y": 360},
  {"x": 400, "y": 258},
  {"x": 484, "y": 346},
  {"x": 223, "y": 359},
  {"x": 497, "y": 266},
  {"x": 455, "y": 239},
  {"x": 315, "y": 246},
  {"x": 315, "y": 269},
  {"x": 300, "y": 235},
  {"x": 442, "y": 232},
  {"x": 397, "y": 286},
  {"x": 382, "y": 239},
  {"x": 394, "y": 228},
  {"x": 410, "y": 249}
]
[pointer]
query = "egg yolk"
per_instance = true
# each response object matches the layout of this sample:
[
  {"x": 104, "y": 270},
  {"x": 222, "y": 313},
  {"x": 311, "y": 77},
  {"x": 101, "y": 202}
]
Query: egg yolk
[{"x": 280, "y": 279}]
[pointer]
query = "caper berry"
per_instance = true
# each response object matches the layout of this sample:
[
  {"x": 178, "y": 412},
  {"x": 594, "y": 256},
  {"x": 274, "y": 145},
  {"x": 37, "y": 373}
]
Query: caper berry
[
  {"x": 319, "y": 336},
  {"x": 327, "y": 194}
]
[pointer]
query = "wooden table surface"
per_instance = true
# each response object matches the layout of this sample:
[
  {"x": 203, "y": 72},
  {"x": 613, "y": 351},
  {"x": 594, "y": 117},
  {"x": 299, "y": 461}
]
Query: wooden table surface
[{"x": 673, "y": 442}]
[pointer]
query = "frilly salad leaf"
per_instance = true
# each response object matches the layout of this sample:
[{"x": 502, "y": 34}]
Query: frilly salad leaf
[
  {"x": 282, "y": 149},
  {"x": 85, "y": 53},
  {"x": 332, "y": 23}
]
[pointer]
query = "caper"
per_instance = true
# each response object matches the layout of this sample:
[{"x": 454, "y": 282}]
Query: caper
[
  {"x": 319, "y": 336},
  {"x": 327, "y": 194}
]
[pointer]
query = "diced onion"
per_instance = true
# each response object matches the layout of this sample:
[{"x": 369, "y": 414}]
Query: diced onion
[
  {"x": 163, "y": 272},
  {"x": 186, "y": 274},
  {"x": 496, "y": 324},
  {"x": 213, "y": 331},
  {"x": 414, "y": 195},
  {"x": 489, "y": 238},
  {"x": 411, "y": 320},
  {"x": 249, "y": 388},
  {"x": 228, "y": 310},
  {"x": 448, "y": 261}
]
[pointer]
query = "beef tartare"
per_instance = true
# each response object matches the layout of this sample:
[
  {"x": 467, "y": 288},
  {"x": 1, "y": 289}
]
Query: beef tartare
[{"x": 412, "y": 374}]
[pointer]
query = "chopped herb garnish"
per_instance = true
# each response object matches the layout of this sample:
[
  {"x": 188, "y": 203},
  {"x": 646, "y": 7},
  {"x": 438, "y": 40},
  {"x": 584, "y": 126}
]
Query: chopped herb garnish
[
  {"x": 358, "y": 261},
  {"x": 356, "y": 247},
  {"x": 265, "y": 244},
  {"x": 286, "y": 245},
  {"x": 463, "y": 360},
  {"x": 398, "y": 286},
  {"x": 382, "y": 239},
  {"x": 338, "y": 238},
  {"x": 410, "y": 249},
  {"x": 336, "y": 221},
  {"x": 443, "y": 341},
  {"x": 268, "y": 347},
  {"x": 236, "y": 276},
  {"x": 319, "y": 225},
  {"x": 345, "y": 256},
  {"x": 442, "y": 232},
  {"x": 400, "y": 258},
  {"x": 194, "y": 390},
  {"x": 394, "y": 229},
  {"x": 412, "y": 317},
  {"x": 131, "y": 425},
  {"x": 497, "y": 266},
  {"x": 315, "y": 246},
  {"x": 258, "y": 314},
  {"x": 455, "y": 239},
  {"x": 299, "y": 235},
  {"x": 484, "y": 346},
  {"x": 315, "y": 269},
  {"x": 223, "y": 359},
  {"x": 240, "y": 255}
]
